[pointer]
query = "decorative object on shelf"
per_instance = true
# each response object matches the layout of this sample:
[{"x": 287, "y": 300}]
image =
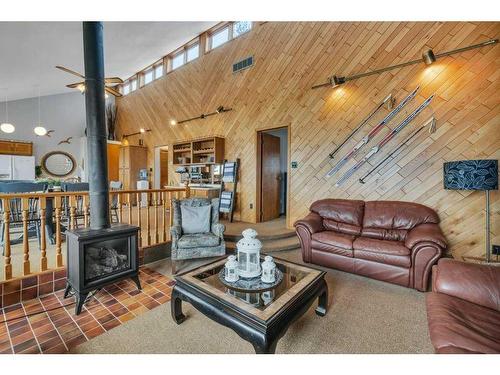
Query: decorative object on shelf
[
  {"x": 110, "y": 81},
  {"x": 431, "y": 121},
  {"x": 474, "y": 175},
  {"x": 389, "y": 100},
  {"x": 252, "y": 285},
  {"x": 428, "y": 57},
  {"x": 268, "y": 270},
  {"x": 6, "y": 126},
  {"x": 111, "y": 115},
  {"x": 248, "y": 249},
  {"x": 375, "y": 149},
  {"x": 372, "y": 133},
  {"x": 231, "y": 269},
  {"x": 67, "y": 140},
  {"x": 220, "y": 109},
  {"x": 58, "y": 163}
]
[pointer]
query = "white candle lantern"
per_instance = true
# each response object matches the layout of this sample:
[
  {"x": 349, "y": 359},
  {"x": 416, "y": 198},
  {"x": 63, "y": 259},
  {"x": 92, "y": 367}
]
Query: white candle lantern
[
  {"x": 268, "y": 270},
  {"x": 249, "y": 254},
  {"x": 231, "y": 269}
]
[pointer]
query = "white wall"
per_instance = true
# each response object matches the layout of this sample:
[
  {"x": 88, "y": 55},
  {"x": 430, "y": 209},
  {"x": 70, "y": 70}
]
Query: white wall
[{"x": 64, "y": 113}]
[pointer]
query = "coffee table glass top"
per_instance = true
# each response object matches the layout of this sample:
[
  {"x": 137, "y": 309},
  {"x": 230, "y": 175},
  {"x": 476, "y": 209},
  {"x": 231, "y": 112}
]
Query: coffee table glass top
[{"x": 262, "y": 306}]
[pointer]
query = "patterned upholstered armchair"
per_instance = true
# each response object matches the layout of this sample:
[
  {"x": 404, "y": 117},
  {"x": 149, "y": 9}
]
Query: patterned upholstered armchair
[{"x": 197, "y": 245}]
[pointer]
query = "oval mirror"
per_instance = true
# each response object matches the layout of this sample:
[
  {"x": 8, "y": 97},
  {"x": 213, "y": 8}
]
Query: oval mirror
[{"x": 58, "y": 163}]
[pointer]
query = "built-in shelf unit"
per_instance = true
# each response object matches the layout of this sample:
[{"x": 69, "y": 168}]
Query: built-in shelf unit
[{"x": 199, "y": 151}]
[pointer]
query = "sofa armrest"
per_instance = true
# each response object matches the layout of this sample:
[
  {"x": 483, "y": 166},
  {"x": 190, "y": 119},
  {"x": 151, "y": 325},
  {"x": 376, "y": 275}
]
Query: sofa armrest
[
  {"x": 426, "y": 233},
  {"x": 218, "y": 229},
  {"x": 313, "y": 222},
  {"x": 476, "y": 283}
]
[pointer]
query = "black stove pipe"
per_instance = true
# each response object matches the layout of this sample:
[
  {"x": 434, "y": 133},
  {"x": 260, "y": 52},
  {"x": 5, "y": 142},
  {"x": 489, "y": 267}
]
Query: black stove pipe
[{"x": 95, "y": 105}]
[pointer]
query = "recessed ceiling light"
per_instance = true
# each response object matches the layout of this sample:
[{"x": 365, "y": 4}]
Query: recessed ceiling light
[{"x": 173, "y": 122}]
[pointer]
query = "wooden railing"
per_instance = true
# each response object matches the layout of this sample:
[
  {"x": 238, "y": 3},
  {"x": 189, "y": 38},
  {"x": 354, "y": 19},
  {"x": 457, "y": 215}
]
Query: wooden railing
[{"x": 49, "y": 214}]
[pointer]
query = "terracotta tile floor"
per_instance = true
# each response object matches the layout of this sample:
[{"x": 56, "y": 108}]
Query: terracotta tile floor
[{"x": 48, "y": 324}]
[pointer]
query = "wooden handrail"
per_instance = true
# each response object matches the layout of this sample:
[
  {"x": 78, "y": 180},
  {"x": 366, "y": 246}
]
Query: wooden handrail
[{"x": 55, "y": 210}]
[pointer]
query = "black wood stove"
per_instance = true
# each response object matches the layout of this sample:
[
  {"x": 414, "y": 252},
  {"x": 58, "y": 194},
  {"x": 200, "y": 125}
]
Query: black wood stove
[
  {"x": 97, "y": 257},
  {"x": 101, "y": 254}
]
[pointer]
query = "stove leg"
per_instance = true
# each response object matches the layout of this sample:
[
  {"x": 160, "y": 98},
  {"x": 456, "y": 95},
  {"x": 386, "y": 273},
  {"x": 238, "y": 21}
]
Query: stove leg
[
  {"x": 80, "y": 300},
  {"x": 67, "y": 290},
  {"x": 137, "y": 281}
]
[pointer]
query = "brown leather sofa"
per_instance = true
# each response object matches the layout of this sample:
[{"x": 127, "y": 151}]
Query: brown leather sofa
[
  {"x": 397, "y": 242},
  {"x": 463, "y": 309}
]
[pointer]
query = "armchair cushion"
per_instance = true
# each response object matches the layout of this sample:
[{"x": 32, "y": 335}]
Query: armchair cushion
[
  {"x": 195, "y": 219},
  {"x": 425, "y": 233},
  {"x": 187, "y": 241},
  {"x": 476, "y": 283}
]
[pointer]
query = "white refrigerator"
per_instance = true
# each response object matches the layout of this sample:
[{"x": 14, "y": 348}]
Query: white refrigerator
[{"x": 14, "y": 167}]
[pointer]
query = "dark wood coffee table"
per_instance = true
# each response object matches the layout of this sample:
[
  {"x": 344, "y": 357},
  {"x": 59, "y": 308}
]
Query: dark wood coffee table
[{"x": 260, "y": 318}]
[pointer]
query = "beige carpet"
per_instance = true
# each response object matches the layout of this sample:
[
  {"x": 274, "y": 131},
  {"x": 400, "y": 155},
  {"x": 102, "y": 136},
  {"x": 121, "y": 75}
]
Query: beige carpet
[{"x": 364, "y": 316}]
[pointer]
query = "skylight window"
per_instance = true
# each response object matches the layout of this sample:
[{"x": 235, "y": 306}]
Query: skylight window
[
  {"x": 241, "y": 27},
  {"x": 148, "y": 76},
  {"x": 178, "y": 60},
  {"x": 220, "y": 37},
  {"x": 193, "y": 52},
  {"x": 158, "y": 70}
]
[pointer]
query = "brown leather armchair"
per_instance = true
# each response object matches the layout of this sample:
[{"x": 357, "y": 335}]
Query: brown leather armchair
[
  {"x": 397, "y": 242},
  {"x": 463, "y": 310}
]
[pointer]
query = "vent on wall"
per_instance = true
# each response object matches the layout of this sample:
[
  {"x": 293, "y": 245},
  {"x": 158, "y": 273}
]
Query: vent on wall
[{"x": 243, "y": 64}]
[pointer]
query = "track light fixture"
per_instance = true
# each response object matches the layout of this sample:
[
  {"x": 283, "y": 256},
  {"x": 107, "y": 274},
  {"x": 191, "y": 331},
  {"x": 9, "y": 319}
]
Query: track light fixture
[
  {"x": 141, "y": 131},
  {"x": 428, "y": 57},
  {"x": 220, "y": 109}
]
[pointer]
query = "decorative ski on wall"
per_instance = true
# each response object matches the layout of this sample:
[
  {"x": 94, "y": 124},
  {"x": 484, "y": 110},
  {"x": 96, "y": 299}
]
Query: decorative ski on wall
[
  {"x": 372, "y": 133},
  {"x": 390, "y": 102},
  {"x": 432, "y": 129},
  {"x": 384, "y": 141}
]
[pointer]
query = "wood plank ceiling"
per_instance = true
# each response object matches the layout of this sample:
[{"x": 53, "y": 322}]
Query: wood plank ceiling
[{"x": 289, "y": 58}]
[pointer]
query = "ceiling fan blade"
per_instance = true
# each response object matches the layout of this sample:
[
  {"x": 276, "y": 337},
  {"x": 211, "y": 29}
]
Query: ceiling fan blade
[
  {"x": 113, "y": 80},
  {"x": 75, "y": 85},
  {"x": 69, "y": 71},
  {"x": 113, "y": 92}
]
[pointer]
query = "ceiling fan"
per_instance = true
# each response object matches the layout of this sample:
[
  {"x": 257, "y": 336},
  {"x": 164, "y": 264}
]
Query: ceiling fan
[{"x": 111, "y": 81}]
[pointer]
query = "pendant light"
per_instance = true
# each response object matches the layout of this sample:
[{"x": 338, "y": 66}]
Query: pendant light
[
  {"x": 6, "y": 126},
  {"x": 39, "y": 129}
]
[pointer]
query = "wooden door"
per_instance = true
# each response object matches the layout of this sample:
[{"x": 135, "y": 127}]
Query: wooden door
[
  {"x": 270, "y": 177},
  {"x": 113, "y": 161},
  {"x": 163, "y": 168}
]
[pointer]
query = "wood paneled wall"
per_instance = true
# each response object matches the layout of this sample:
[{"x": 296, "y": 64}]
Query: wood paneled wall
[{"x": 289, "y": 58}]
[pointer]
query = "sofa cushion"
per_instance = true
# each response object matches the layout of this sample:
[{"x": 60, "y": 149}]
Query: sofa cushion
[
  {"x": 392, "y": 220},
  {"x": 459, "y": 326},
  {"x": 195, "y": 219},
  {"x": 333, "y": 242},
  {"x": 340, "y": 214},
  {"x": 382, "y": 251},
  {"x": 198, "y": 240}
]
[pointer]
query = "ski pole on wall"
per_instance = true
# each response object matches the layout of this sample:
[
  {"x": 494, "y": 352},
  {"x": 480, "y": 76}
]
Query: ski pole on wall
[
  {"x": 384, "y": 141},
  {"x": 372, "y": 133},
  {"x": 390, "y": 102},
  {"x": 431, "y": 121}
]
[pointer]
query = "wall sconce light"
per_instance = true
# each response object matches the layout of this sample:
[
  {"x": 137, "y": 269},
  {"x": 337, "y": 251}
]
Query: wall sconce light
[
  {"x": 428, "y": 58},
  {"x": 220, "y": 109},
  {"x": 141, "y": 131}
]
